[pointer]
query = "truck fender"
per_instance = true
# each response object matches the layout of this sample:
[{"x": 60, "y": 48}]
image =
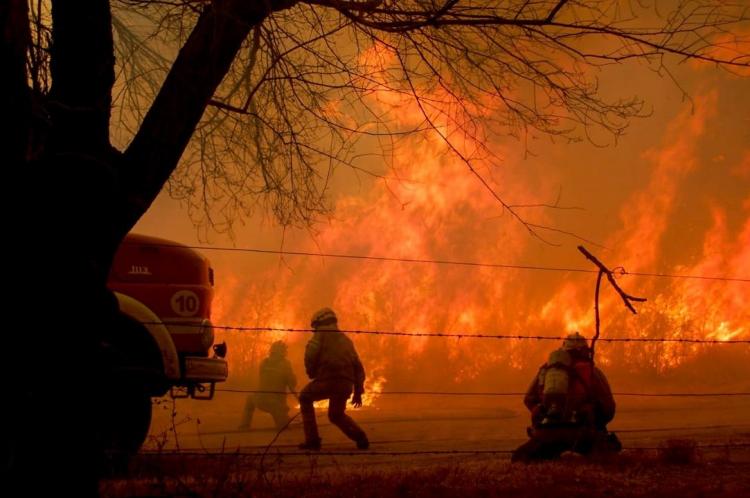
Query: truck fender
[{"x": 159, "y": 332}]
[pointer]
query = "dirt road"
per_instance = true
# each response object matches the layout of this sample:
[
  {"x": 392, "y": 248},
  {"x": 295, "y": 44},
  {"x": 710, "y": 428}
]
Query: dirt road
[{"x": 443, "y": 426}]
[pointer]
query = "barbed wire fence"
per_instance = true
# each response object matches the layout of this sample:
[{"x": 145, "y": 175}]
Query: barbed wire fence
[
  {"x": 241, "y": 453},
  {"x": 509, "y": 393},
  {"x": 602, "y": 270},
  {"x": 455, "y": 335}
]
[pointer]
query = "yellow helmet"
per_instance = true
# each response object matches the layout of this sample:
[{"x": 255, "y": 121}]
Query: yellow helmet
[
  {"x": 323, "y": 317},
  {"x": 575, "y": 341}
]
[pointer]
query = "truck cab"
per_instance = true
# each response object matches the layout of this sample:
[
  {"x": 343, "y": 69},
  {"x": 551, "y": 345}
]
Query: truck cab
[{"x": 165, "y": 340}]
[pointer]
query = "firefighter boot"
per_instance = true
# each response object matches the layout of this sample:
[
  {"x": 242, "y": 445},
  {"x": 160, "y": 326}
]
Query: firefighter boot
[
  {"x": 363, "y": 443},
  {"x": 312, "y": 445}
]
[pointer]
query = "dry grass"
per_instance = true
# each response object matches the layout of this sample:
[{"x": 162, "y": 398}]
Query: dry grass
[
  {"x": 627, "y": 475},
  {"x": 679, "y": 451}
]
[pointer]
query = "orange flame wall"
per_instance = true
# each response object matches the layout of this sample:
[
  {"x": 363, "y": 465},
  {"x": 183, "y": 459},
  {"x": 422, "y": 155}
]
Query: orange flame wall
[{"x": 673, "y": 220}]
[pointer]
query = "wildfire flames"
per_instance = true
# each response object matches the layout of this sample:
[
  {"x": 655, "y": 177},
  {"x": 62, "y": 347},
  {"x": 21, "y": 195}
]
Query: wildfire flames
[{"x": 437, "y": 209}]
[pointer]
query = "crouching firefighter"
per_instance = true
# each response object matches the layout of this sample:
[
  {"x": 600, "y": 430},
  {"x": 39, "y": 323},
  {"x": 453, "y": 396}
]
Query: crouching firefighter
[
  {"x": 571, "y": 404},
  {"x": 276, "y": 376}
]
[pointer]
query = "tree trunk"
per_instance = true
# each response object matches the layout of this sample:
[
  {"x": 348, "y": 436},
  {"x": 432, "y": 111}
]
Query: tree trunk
[
  {"x": 65, "y": 243},
  {"x": 14, "y": 92},
  {"x": 80, "y": 198},
  {"x": 83, "y": 73}
]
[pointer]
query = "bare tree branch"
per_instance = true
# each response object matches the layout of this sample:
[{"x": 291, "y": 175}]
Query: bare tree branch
[
  {"x": 626, "y": 298},
  {"x": 315, "y": 73}
]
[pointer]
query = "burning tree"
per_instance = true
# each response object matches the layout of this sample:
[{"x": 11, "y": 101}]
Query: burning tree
[{"x": 229, "y": 102}]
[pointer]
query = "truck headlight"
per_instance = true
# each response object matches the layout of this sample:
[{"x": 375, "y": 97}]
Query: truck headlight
[{"x": 207, "y": 334}]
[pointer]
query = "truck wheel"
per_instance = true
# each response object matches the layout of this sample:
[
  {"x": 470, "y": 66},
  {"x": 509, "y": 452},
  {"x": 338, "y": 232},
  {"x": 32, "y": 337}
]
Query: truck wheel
[{"x": 126, "y": 420}]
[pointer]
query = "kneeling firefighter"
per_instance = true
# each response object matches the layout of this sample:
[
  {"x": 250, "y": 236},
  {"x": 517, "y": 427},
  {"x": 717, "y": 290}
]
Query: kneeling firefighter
[
  {"x": 571, "y": 404},
  {"x": 276, "y": 376}
]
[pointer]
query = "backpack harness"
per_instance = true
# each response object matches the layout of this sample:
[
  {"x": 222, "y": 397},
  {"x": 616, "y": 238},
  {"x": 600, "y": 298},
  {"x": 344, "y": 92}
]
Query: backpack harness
[{"x": 564, "y": 385}]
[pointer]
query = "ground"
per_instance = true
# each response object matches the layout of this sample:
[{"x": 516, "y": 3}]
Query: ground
[{"x": 684, "y": 447}]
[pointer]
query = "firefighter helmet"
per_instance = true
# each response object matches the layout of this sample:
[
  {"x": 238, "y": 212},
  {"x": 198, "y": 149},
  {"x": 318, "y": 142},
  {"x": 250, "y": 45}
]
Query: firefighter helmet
[
  {"x": 278, "y": 347},
  {"x": 575, "y": 341},
  {"x": 323, "y": 317}
]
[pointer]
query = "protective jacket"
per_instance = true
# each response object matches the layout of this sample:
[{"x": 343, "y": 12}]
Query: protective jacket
[
  {"x": 276, "y": 376},
  {"x": 330, "y": 355},
  {"x": 589, "y": 397}
]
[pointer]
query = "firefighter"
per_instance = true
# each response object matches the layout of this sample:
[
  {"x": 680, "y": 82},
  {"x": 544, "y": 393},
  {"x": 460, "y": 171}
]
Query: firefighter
[
  {"x": 571, "y": 404},
  {"x": 276, "y": 376},
  {"x": 335, "y": 369}
]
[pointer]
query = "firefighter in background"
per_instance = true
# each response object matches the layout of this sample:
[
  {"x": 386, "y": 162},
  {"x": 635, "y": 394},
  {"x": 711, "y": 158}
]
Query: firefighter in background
[
  {"x": 571, "y": 404},
  {"x": 335, "y": 369},
  {"x": 276, "y": 376}
]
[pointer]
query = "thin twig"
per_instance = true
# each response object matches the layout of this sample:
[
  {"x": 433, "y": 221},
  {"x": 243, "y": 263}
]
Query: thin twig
[{"x": 626, "y": 298}]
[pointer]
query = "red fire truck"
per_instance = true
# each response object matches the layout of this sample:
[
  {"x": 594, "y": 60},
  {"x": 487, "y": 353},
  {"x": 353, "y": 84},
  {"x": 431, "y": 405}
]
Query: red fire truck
[{"x": 164, "y": 343}]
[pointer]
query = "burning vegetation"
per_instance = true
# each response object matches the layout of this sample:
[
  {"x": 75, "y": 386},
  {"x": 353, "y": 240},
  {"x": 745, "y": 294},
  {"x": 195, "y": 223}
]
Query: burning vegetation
[{"x": 430, "y": 209}]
